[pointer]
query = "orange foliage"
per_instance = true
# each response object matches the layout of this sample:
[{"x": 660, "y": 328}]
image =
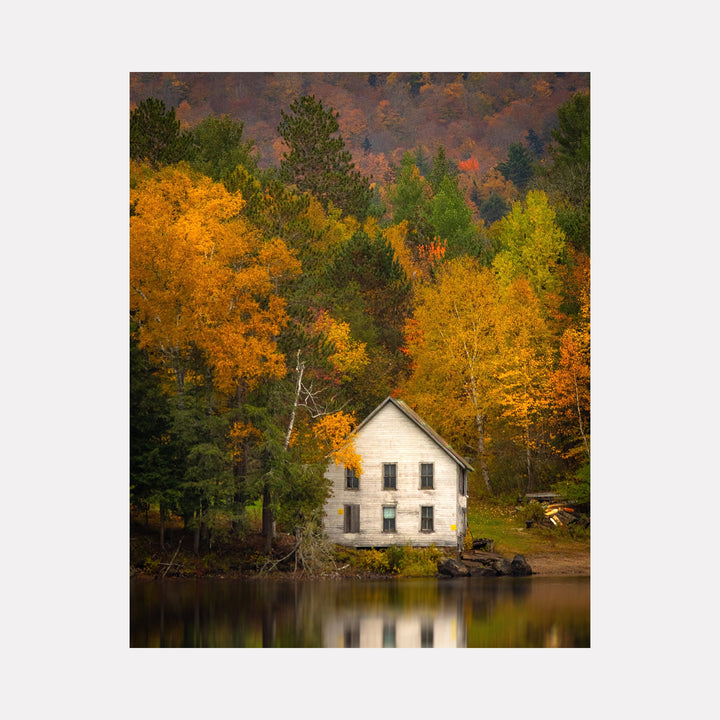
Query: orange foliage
[
  {"x": 387, "y": 116},
  {"x": 493, "y": 181},
  {"x": 469, "y": 165},
  {"x": 334, "y": 431},
  {"x": 202, "y": 279},
  {"x": 571, "y": 380},
  {"x": 352, "y": 123},
  {"x": 434, "y": 252},
  {"x": 238, "y": 434},
  {"x": 375, "y": 165},
  {"x": 525, "y": 359}
]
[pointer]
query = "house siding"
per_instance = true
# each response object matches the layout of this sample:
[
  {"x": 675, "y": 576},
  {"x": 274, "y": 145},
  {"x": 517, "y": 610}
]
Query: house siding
[{"x": 392, "y": 437}]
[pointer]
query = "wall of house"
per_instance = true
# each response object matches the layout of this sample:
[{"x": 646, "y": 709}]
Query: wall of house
[
  {"x": 416, "y": 628},
  {"x": 391, "y": 437}
]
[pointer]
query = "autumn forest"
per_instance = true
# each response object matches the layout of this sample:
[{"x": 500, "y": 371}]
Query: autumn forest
[{"x": 303, "y": 245}]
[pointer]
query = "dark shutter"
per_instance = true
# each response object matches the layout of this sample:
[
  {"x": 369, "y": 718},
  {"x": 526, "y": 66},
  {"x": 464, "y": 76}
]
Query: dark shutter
[{"x": 352, "y": 519}]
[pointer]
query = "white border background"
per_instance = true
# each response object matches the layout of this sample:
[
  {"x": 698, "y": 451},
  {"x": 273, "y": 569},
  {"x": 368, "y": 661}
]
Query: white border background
[{"x": 654, "y": 371}]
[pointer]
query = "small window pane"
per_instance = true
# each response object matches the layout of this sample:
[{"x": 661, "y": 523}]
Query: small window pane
[
  {"x": 352, "y": 635},
  {"x": 427, "y": 635},
  {"x": 390, "y": 476},
  {"x": 389, "y": 519},
  {"x": 426, "y": 475},
  {"x": 426, "y": 519},
  {"x": 388, "y": 635},
  {"x": 352, "y": 482}
]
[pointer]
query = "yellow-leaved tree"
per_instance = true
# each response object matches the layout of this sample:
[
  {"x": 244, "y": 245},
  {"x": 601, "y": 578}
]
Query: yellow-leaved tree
[
  {"x": 202, "y": 280},
  {"x": 453, "y": 345},
  {"x": 531, "y": 246},
  {"x": 348, "y": 356},
  {"x": 571, "y": 380},
  {"x": 524, "y": 366}
]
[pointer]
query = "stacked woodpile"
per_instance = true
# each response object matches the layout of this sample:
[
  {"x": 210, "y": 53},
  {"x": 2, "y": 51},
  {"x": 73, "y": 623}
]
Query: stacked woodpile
[
  {"x": 557, "y": 512},
  {"x": 559, "y": 515}
]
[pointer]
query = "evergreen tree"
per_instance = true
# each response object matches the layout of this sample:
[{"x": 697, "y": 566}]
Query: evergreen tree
[
  {"x": 155, "y": 135},
  {"x": 494, "y": 208},
  {"x": 441, "y": 168},
  {"x": 153, "y": 470},
  {"x": 317, "y": 161},
  {"x": 572, "y": 136},
  {"x": 518, "y": 168},
  {"x": 567, "y": 180},
  {"x": 451, "y": 218},
  {"x": 409, "y": 197},
  {"x": 535, "y": 143},
  {"x": 220, "y": 148}
]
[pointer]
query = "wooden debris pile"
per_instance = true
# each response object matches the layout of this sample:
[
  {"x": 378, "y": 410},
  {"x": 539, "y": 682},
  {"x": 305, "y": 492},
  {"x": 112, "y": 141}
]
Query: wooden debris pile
[
  {"x": 556, "y": 511},
  {"x": 560, "y": 515}
]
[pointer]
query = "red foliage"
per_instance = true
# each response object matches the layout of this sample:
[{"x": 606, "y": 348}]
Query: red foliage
[{"x": 469, "y": 165}]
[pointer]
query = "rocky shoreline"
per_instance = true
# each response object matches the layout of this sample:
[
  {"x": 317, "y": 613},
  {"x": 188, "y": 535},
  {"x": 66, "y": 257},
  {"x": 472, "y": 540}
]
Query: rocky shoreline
[
  {"x": 474, "y": 564},
  {"x": 484, "y": 564}
]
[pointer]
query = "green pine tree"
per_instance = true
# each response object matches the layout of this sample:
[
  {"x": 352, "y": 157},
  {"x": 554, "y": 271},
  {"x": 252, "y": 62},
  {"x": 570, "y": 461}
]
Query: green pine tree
[
  {"x": 155, "y": 135},
  {"x": 317, "y": 161}
]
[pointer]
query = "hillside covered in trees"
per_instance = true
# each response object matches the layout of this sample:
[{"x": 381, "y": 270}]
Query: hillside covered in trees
[{"x": 303, "y": 245}]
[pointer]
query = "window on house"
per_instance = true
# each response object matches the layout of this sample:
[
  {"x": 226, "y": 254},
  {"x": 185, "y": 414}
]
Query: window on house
[
  {"x": 351, "y": 514},
  {"x": 352, "y": 481},
  {"x": 426, "y": 475},
  {"x": 389, "y": 518},
  {"x": 390, "y": 476},
  {"x": 427, "y": 635},
  {"x": 389, "y": 640},
  {"x": 462, "y": 490},
  {"x": 426, "y": 518},
  {"x": 351, "y": 634}
]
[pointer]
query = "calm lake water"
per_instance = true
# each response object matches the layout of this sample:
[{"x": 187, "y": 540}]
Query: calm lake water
[{"x": 476, "y": 612}]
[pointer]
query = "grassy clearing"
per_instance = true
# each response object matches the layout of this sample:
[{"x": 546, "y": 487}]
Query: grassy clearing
[{"x": 506, "y": 527}]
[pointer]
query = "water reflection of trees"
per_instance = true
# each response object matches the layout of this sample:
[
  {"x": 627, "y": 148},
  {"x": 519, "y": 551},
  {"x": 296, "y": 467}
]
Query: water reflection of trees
[{"x": 472, "y": 612}]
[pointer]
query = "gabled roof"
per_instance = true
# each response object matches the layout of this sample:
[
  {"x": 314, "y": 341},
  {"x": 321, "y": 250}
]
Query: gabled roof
[{"x": 417, "y": 420}]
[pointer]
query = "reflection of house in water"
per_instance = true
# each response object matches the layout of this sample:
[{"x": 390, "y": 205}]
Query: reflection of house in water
[{"x": 406, "y": 629}]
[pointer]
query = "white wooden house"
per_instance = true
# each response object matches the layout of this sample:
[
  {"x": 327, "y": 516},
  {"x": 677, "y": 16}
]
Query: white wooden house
[{"x": 412, "y": 489}]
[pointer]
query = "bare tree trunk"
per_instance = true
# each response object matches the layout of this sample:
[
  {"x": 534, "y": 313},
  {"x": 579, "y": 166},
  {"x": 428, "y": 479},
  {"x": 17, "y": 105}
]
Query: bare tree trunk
[
  {"x": 196, "y": 532},
  {"x": 580, "y": 422},
  {"x": 527, "y": 458},
  {"x": 162, "y": 526},
  {"x": 240, "y": 472},
  {"x": 300, "y": 369},
  {"x": 480, "y": 421},
  {"x": 268, "y": 522}
]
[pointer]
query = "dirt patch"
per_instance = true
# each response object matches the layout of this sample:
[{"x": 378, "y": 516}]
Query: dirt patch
[{"x": 560, "y": 563}]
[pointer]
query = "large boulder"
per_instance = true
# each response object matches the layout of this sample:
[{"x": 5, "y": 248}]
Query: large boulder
[
  {"x": 452, "y": 568},
  {"x": 502, "y": 566},
  {"x": 520, "y": 567},
  {"x": 483, "y": 571}
]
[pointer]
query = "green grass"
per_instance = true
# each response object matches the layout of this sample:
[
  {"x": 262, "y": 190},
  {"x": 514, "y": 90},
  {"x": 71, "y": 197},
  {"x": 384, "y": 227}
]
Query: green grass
[{"x": 507, "y": 528}]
